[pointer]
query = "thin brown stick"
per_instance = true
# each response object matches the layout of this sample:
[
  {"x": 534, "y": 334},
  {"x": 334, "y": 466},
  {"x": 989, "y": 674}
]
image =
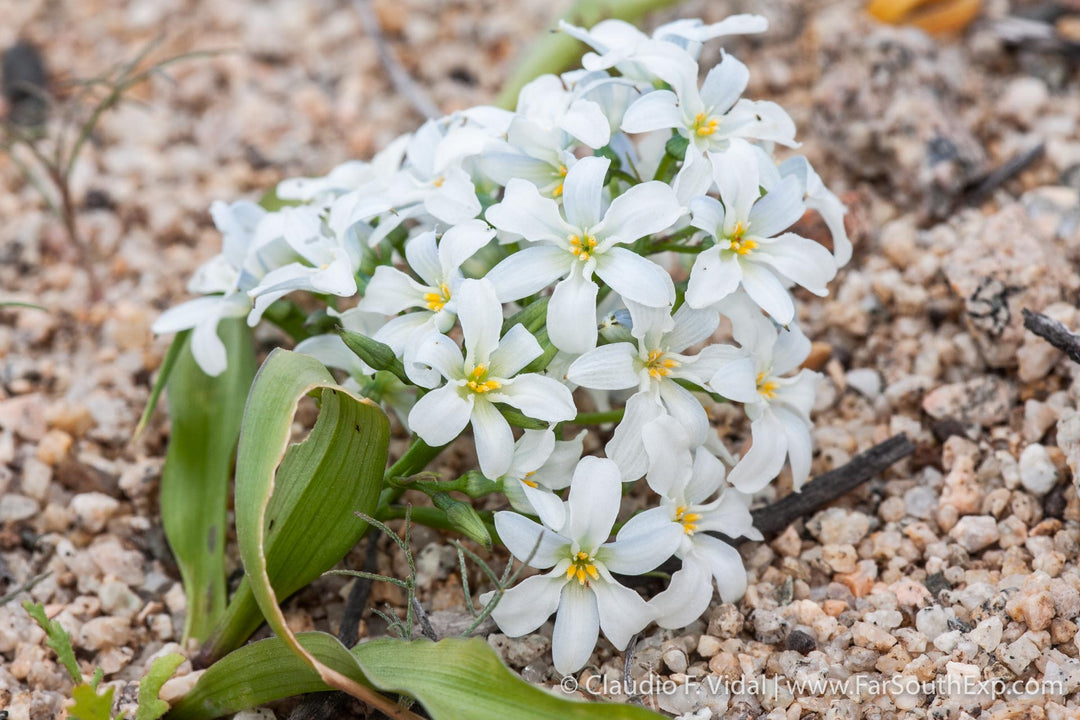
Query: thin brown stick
[
  {"x": 1054, "y": 333},
  {"x": 399, "y": 76}
]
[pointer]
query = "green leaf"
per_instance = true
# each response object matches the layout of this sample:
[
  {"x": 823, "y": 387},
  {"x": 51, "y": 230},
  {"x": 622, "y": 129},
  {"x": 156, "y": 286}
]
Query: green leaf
[
  {"x": 20, "y": 304},
  {"x": 175, "y": 349},
  {"x": 56, "y": 638},
  {"x": 206, "y": 413},
  {"x": 89, "y": 705},
  {"x": 150, "y": 707},
  {"x": 296, "y": 505},
  {"x": 452, "y": 678},
  {"x": 676, "y": 147},
  {"x": 519, "y": 419}
]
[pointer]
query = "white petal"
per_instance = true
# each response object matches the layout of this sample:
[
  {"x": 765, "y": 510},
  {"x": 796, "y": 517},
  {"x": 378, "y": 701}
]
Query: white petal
[
  {"x": 494, "y": 439},
  {"x": 455, "y": 200},
  {"x": 585, "y": 120},
  {"x": 635, "y": 277},
  {"x": 526, "y": 606},
  {"x": 726, "y": 566},
  {"x": 713, "y": 277},
  {"x": 764, "y": 459},
  {"x": 582, "y": 191},
  {"x": 531, "y": 451},
  {"x": 548, "y": 506},
  {"x": 691, "y": 328},
  {"x": 734, "y": 375},
  {"x": 525, "y": 539},
  {"x": 736, "y": 173},
  {"x": 625, "y": 446},
  {"x": 517, "y": 349},
  {"x": 422, "y": 254},
  {"x": 593, "y": 503},
  {"x": 608, "y": 367},
  {"x": 480, "y": 315},
  {"x": 644, "y": 209},
  {"x": 641, "y": 546},
  {"x": 768, "y": 292},
  {"x": 799, "y": 446},
  {"x": 208, "y": 349},
  {"x": 731, "y": 516},
  {"x": 670, "y": 462},
  {"x": 398, "y": 332},
  {"x": 800, "y": 260},
  {"x": 526, "y": 212},
  {"x": 461, "y": 242},
  {"x": 571, "y": 314},
  {"x": 684, "y": 407},
  {"x": 559, "y": 468},
  {"x": 577, "y": 627},
  {"x": 390, "y": 291},
  {"x": 778, "y": 210},
  {"x": 707, "y": 213},
  {"x": 438, "y": 352},
  {"x": 539, "y": 397},
  {"x": 623, "y": 613},
  {"x": 188, "y": 314},
  {"x": 332, "y": 351},
  {"x": 791, "y": 349},
  {"x": 656, "y": 110},
  {"x": 528, "y": 271},
  {"x": 687, "y": 596},
  {"x": 763, "y": 120},
  {"x": 706, "y": 477},
  {"x": 440, "y": 416},
  {"x": 724, "y": 84}
]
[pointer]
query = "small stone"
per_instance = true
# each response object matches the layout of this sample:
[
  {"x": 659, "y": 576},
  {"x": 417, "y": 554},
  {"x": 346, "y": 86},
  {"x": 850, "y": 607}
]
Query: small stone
[
  {"x": 983, "y": 401},
  {"x": 865, "y": 380},
  {"x": 54, "y": 447},
  {"x": 36, "y": 477},
  {"x": 1037, "y": 472},
  {"x": 946, "y": 642},
  {"x": 104, "y": 632},
  {"x": 1019, "y": 654},
  {"x": 726, "y": 621},
  {"x": 841, "y": 558},
  {"x": 932, "y": 621},
  {"x": 71, "y": 417},
  {"x": 975, "y": 532},
  {"x": 1038, "y": 418},
  {"x": 93, "y": 510},
  {"x": 1023, "y": 100},
  {"x": 118, "y": 599},
  {"x": 839, "y": 526},
  {"x": 768, "y": 626},
  {"x": 708, "y": 646},
  {"x": 887, "y": 619},
  {"x": 1068, "y": 439},
  {"x": 177, "y": 687},
  {"x": 1038, "y": 610},
  {"x": 801, "y": 642},
  {"x": 675, "y": 660},
  {"x": 987, "y": 634},
  {"x": 520, "y": 651},
  {"x": 870, "y": 636},
  {"x": 14, "y": 508}
]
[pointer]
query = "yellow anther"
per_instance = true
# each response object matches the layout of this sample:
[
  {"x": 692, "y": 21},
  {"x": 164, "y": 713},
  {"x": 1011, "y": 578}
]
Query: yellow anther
[
  {"x": 527, "y": 481},
  {"x": 557, "y": 192},
  {"x": 581, "y": 247},
  {"x": 479, "y": 382},
  {"x": 705, "y": 125},
  {"x": 438, "y": 182},
  {"x": 689, "y": 520},
  {"x": 739, "y": 244},
  {"x": 582, "y": 568},
  {"x": 766, "y": 388},
  {"x": 435, "y": 301},
  {"x": 659, "y": 365}
]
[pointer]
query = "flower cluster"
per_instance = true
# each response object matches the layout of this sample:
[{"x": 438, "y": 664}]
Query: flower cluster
[{"x": 581, "y": 251}]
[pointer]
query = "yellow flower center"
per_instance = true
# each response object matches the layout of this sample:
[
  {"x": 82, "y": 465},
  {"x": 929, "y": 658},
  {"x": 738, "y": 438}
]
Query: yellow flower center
[
  {"x": 527, "y": 481},
  {"x": 660, "y": 365},
  {"x": 558, "y": 191},
  {"x": 438, "y": 182},
  {"x": 479, "y": 383},
  {"x": 704, "y": 125},
  {"x": 766, "y": 387},
  {"x": 689, "y": 520},
  {"x": 583, "y": 568},
  {"x": 582, "y": 248},
  {"x": 437, "y": 300},
  {"x": 739, "y": 244}
]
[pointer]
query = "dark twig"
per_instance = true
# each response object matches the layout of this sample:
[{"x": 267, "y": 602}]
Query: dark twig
[
  {"x": 981, "y": 188},
  {"x": 399, "y": 76},
  {"x": 628, "y": 663},
  {"x": 1054, "y": 333},
  {"x": 425, "y": 624}
]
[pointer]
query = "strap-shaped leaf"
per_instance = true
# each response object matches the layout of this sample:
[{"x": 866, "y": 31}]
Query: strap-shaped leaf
[
  {"x": 295, "y": 506},
  {"x": 452, "y": 678},
  {"x": 206, "y": 413}
]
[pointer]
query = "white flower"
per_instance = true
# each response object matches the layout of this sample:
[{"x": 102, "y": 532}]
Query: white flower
[
  {"x": 686, "y": 478},
  {"x": 653, "y": 366},
  {"x": 710, "y": 118},
  {"x": 438, "y": 265},
  {"x": 250, "y": 249},
  {"x": 487, "y": 375},
  {"x": 780, "y": 414},
  {"x": 581, "y": 241},
  {"x": 750, "y": 249},
  {"x": 580, "y": 587},
  {"x": 540, "y": 466},
  {"x": 349, "y": 176},
  {"x": 820, "y": 198}
]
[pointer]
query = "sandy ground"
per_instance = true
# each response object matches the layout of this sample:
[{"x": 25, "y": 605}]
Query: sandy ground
[{"x": 961, "y": 561}]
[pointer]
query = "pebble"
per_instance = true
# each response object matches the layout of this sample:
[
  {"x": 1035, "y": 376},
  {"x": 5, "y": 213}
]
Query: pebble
[
  {"x": 871, "y": 636},
  {"x": 800, "y": 641},
  {"x": 1023, "y": 100},
  {"x": 987, "y": 634},
  {"x": 520, "y": 651},
  {"x": 932, "y": 621},
  {"x": 14, "y": 508},
  {"x": 118, "y": 599},
  {"x": 53, "y": 447},
  {"x": 36, "y": 477},
  {"x": 839, "y": 526},
  {"x": 93, "y": 510},
  {"x": 975, "y": 532},
  {"x": 177, "y": 687},
  {"x": 1068, "y": 439},
  {"x": 984, "y": 401},
  {"x": 102, "y": 632},
  {"x": 866, "y": 380},
  {"x": 1038, "y": 474},
  {"x": 1019, "y": 654},
  {"x": 675, "y": 660},
  {"x": 708, "y": 646}
]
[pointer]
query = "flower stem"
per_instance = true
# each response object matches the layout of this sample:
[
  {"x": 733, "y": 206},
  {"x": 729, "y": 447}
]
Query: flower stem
[{"x": 598, "y": 418}]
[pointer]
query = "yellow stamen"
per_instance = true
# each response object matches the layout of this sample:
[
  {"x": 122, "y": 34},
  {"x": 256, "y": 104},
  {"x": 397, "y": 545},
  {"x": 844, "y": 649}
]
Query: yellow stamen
[
  {"x": 739, "y": 244},
  {"x": 582, "y": 568},
  {"x": 766, "y": 387},
  {"x": 704, "y": 125},
  {"x": 659, "y": 365},
  {"x": 582, "y": 248},
  {"x": 689, "y": 520},
  {"x": 438, "y": 182},
  {"x": 557, "y": 192},
  {"x": 479, "y": 382},
  {"x": 437, "y": 300},
  {"x": 527, "y": 481}
]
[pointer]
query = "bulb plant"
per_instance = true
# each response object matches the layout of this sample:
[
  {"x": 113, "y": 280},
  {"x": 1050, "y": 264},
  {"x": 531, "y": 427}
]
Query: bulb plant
[{"x": 518, "y": 279}]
